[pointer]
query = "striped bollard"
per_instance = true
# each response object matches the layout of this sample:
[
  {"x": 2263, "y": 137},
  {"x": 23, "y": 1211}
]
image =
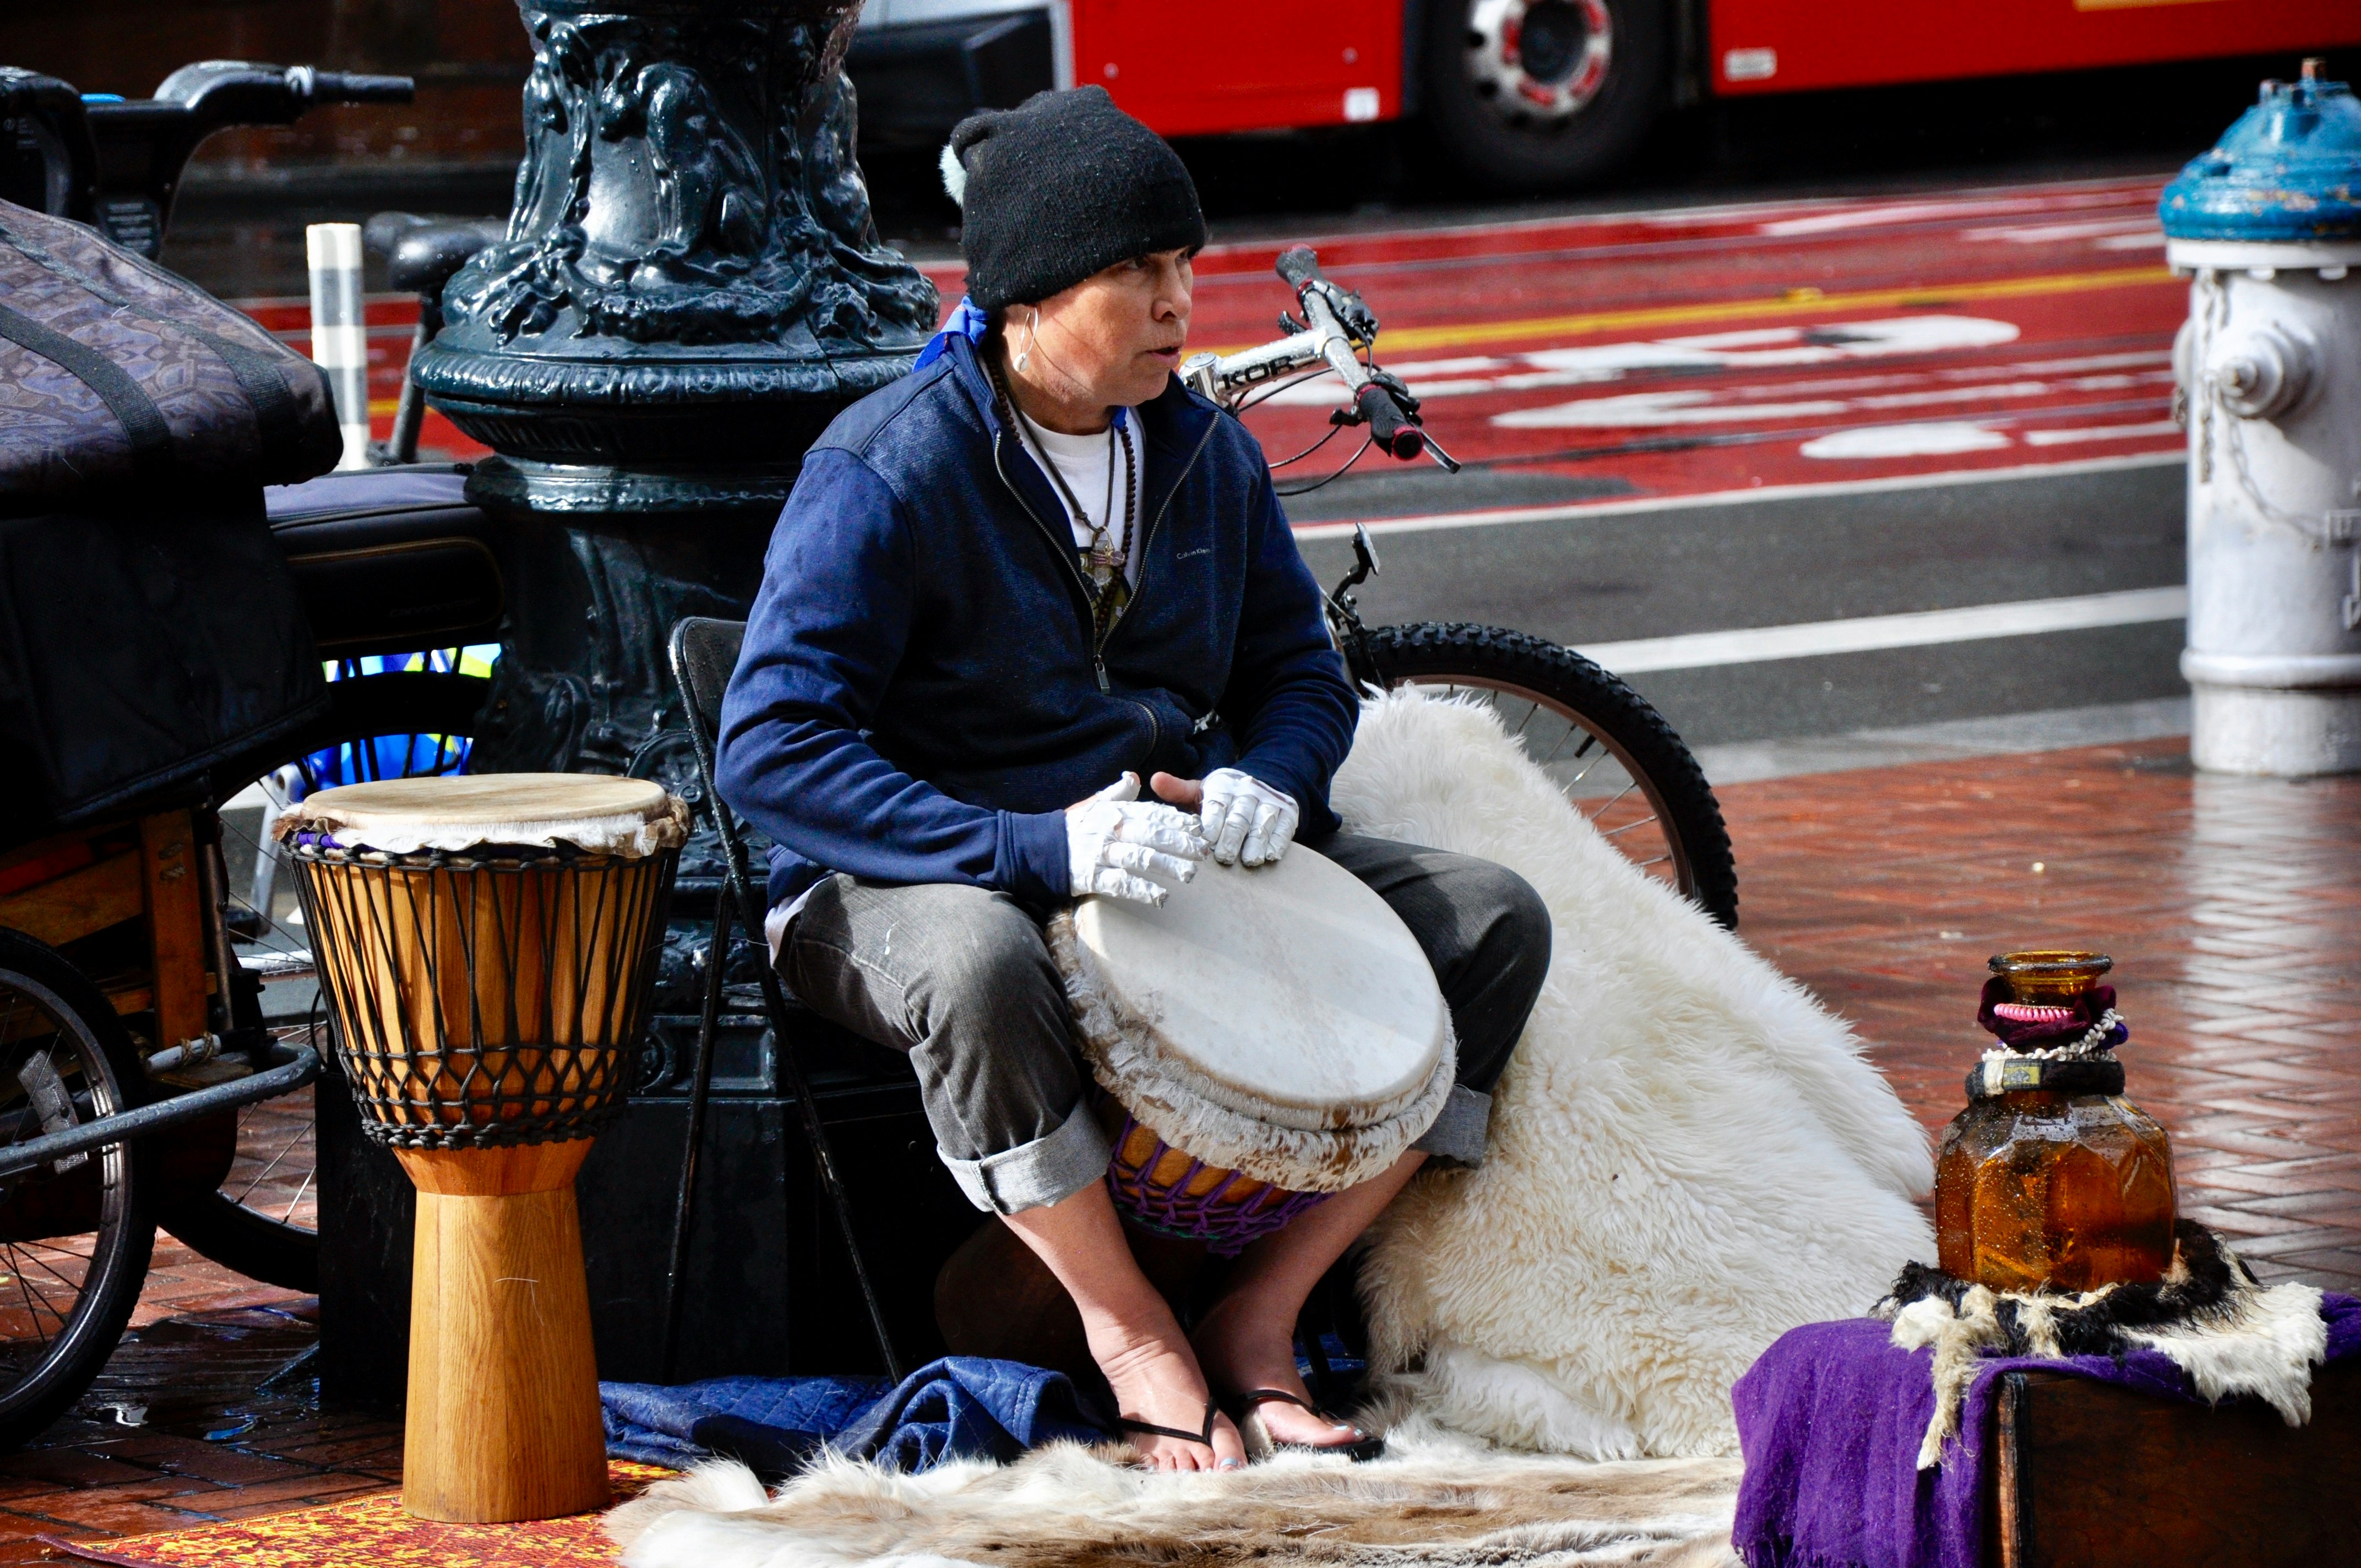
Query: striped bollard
[{"x": 339, "y": 339}]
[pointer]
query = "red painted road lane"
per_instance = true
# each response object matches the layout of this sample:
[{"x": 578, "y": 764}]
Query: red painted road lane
[
  {"x": 1709, "y": 349},
  {"x": 1768, "y": 345}
]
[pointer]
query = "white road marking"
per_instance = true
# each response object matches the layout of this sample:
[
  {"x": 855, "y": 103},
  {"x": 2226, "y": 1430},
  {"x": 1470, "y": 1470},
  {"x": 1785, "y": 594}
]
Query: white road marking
[
  {"x": 1578, "y": 512},
  {"x": 1872, "y": 633},
  {"x": 2141, "y": 226},
  {"x": 2102, "y": 433},
  {"x": 1933, "y": 439},
  {"x": 1753, "y": 349}
]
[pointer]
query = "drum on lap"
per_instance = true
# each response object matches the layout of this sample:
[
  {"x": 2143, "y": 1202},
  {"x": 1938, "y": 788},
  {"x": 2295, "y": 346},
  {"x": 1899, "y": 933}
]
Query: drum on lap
[
  {"x": 487, "y": 946},
  {"x": 1266, "y": 1036}
]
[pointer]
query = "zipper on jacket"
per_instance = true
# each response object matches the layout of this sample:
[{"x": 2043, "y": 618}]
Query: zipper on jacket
[{"x": 1147, "y": 538}]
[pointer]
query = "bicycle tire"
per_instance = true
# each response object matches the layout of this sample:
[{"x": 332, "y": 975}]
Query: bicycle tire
[
  {"x": 361, "y": 708},
  {"x": 1492, "y": 658},
  {"x": 33, "y": 971}
]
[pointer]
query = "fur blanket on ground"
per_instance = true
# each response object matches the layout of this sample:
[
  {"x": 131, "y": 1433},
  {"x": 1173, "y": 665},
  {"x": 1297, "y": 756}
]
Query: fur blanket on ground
[
  {"x": 1688, "y": 1155},
  {"x": 1434, "y": 1501}
]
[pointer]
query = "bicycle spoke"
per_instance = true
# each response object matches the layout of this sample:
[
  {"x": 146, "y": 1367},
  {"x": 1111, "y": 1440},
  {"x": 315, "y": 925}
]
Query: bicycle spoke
[
  {"x": 287, "y": 1215},
  {"x": 1619, "y": 794},
  {"x": 1642, "y": 822}
]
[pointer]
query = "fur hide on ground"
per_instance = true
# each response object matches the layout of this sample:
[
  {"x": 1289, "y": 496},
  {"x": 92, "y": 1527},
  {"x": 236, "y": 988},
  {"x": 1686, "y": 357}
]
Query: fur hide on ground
[
  {"x": 1433, "y": 1502},
  {"x": 2209, "y": 1316},
  {"x": 1688, "y": 1155}
]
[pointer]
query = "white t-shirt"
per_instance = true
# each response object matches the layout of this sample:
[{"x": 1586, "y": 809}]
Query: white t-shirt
[{"x": 1082, "y": 462}]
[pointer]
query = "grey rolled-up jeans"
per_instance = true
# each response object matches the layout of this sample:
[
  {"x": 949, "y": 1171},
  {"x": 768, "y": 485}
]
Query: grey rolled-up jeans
[{"x": 960, "y": 978}]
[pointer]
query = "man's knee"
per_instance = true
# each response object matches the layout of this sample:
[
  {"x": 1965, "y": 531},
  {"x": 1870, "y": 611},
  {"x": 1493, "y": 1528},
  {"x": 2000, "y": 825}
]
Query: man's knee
[
  {"x": 1503, "y": 973},
  {"x": 1522, "y": 927},
  {"x": 987, "y": 957}
]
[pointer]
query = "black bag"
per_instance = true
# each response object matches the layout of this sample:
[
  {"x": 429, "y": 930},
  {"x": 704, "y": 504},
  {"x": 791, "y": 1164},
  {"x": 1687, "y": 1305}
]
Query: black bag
[
  {"x": 139, "y": 652},
  {"x": 120, "y": 380}
]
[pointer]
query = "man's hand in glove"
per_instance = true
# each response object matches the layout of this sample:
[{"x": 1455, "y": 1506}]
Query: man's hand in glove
[
  {"x": 1241, "y": 817},
  {"x": 1114, "y": 835}
]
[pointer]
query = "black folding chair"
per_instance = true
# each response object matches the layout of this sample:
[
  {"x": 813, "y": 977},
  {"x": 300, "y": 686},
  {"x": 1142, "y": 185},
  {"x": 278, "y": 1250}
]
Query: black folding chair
[{"x": 704, "y": 652}]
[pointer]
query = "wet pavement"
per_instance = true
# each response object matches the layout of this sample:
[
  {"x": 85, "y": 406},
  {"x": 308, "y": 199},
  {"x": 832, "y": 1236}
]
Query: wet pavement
[{"x": 2229, "y": 904}]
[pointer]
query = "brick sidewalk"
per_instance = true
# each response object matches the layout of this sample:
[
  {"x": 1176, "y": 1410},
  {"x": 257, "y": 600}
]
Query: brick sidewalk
[{"x": 2233, "y": 908}]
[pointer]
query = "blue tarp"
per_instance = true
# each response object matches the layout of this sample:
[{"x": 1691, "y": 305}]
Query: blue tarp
[{"x": 961, "y": 1407}]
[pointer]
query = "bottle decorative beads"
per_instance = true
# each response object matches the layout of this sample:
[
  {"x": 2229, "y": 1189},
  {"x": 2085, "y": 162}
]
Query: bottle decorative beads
[{"x": 2050, "y": 1180}]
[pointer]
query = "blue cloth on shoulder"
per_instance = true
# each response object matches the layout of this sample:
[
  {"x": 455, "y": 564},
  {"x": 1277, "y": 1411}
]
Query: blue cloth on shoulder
[{"x": 961, "y": 1407}]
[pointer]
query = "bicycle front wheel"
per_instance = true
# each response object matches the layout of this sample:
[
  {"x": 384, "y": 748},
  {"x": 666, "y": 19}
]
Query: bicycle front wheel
[
  {"x": 75, "y": 1235},
  {"x": 1621, "y": 766}
]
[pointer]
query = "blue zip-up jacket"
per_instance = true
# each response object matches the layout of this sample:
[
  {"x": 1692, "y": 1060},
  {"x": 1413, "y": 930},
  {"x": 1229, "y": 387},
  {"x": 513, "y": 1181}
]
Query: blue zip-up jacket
[{"x": 920, "y": 697}]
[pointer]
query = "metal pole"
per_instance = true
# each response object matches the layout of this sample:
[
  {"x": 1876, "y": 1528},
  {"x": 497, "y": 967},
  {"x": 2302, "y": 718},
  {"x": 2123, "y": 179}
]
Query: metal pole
[{"x": 339, "y": 337}]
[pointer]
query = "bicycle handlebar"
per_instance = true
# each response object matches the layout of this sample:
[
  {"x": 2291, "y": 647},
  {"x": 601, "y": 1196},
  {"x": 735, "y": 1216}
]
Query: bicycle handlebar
[
  {"x": 1387, "y": 425},
  {"x": 1301, "y": 267}
]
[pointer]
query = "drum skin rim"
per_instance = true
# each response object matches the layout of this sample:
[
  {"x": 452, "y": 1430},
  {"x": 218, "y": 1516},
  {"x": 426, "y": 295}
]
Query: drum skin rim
[
  {"x": 453, "y": 814},
  {"x": 1186, "y": 1111}
]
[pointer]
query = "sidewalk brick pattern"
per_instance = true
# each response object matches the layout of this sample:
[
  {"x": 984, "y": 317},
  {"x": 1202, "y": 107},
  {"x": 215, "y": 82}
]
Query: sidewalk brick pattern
[{"x": 2233, "y": 908}]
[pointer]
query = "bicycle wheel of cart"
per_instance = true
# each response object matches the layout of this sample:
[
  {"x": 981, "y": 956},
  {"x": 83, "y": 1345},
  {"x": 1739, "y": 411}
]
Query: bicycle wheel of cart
[
  {"x": 1620, "y": 763},
  {"x": 74, "y": 1243},
  {"x": 262, "y": 1220}
]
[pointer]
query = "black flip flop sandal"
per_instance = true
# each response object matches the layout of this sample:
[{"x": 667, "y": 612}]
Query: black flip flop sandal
[
  {"x": 1206, "y": 1437},
  {"x": 1238, "y": 1407}
]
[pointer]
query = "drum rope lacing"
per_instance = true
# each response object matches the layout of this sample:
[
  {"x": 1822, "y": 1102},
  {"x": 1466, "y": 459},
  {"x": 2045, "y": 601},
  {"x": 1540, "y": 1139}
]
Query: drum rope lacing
[
  {"x": 444, "y": 1085},
  {"x": 1170, "y": 1209}
]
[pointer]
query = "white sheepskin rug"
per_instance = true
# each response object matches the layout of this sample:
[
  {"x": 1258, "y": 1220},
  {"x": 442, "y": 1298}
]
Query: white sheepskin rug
[
  {"x": 1688, "y": 1155},
  {"x": 1434, "y": 1501}
]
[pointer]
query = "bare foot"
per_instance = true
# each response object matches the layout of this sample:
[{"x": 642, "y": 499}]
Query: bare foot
[
  {"x": 1239, "y": 1352},
  {"x": 1156, "y": 1379}
]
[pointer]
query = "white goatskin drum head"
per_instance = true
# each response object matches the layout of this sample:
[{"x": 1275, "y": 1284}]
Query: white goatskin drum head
[
  {"x": 457, "y": 813},
  {"x": 1292, "y": 993}
]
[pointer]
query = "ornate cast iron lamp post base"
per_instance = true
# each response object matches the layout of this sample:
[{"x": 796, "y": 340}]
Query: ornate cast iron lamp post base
[{"x": 691, "y": 288}]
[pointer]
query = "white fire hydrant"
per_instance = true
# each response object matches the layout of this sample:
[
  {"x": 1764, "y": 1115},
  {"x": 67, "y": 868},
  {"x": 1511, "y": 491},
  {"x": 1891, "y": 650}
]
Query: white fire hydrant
[{"x": 2270, "y": 374}]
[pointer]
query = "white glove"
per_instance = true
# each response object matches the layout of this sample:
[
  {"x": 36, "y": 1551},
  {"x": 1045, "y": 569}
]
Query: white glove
[
  {"x": 1244, "y": 819},
  {"x": 1114, "y": 834}
]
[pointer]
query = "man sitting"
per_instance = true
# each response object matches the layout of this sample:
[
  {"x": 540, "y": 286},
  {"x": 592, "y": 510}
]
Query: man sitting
[{"x": 1005, "y": 590}]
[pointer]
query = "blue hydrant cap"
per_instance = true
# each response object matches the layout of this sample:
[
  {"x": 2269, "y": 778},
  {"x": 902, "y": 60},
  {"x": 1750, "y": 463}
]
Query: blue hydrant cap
[{"x": 2288, "y": 173}]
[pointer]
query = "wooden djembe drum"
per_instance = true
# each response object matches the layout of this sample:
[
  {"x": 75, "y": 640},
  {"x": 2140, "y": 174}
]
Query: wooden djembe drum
[{"x": 486, "y": 947}]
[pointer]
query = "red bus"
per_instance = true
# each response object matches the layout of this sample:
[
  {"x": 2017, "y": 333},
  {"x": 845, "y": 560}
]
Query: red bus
[{"x": 1523, "y": 93}]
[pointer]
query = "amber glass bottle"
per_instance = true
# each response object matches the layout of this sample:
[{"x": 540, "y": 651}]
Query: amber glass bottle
[{"x": 2050, "y": 1180}]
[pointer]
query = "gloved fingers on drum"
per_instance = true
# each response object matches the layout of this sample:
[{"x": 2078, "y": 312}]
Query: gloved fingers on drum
[
  {"x": 1115, "y": 884},
  {"x": 1127, "y": 857},
  {"x": 1237, "y": 824},
  {"x": 1274, "y": 826},
  {"x": 1161, "y": 828},
  {"x": 1221, "y": 787}
]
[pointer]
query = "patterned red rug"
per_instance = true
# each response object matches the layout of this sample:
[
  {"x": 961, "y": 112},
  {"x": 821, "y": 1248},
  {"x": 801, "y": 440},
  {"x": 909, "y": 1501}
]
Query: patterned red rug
[{"x": 369, "y": 1532}]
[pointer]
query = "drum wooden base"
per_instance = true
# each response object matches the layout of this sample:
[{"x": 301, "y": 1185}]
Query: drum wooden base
[{"x": 503, "y": 1414}]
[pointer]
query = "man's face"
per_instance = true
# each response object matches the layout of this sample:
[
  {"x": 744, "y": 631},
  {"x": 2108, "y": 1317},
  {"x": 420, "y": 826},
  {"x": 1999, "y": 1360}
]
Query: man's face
[{"x": 1121, "y": 332}]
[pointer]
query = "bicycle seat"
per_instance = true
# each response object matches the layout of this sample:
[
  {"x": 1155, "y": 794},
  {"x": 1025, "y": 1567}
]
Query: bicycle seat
[{"x": 422, "y": 253}]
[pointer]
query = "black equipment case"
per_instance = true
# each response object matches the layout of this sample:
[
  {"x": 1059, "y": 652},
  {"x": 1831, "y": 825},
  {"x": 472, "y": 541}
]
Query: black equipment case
[{"x": 150, "y": 632}]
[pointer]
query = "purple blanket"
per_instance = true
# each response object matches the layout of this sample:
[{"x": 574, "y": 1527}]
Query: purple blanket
[{"x": 1831, "y": 1420}]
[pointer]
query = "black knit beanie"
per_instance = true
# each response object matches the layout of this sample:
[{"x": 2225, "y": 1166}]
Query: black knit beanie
[{"x": 1060, "y": 187}]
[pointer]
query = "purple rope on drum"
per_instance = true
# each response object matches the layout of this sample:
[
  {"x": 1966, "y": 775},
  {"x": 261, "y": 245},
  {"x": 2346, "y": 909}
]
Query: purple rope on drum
[{"x": 1171, "y": 1209}]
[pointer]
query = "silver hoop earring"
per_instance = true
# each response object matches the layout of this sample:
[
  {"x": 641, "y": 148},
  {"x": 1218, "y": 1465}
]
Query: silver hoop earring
[{"x": 1032, "y": 332}]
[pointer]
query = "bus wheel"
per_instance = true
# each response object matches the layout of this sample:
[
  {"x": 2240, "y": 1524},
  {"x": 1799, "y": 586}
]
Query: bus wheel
[{"x": 1541, "y": 94}]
